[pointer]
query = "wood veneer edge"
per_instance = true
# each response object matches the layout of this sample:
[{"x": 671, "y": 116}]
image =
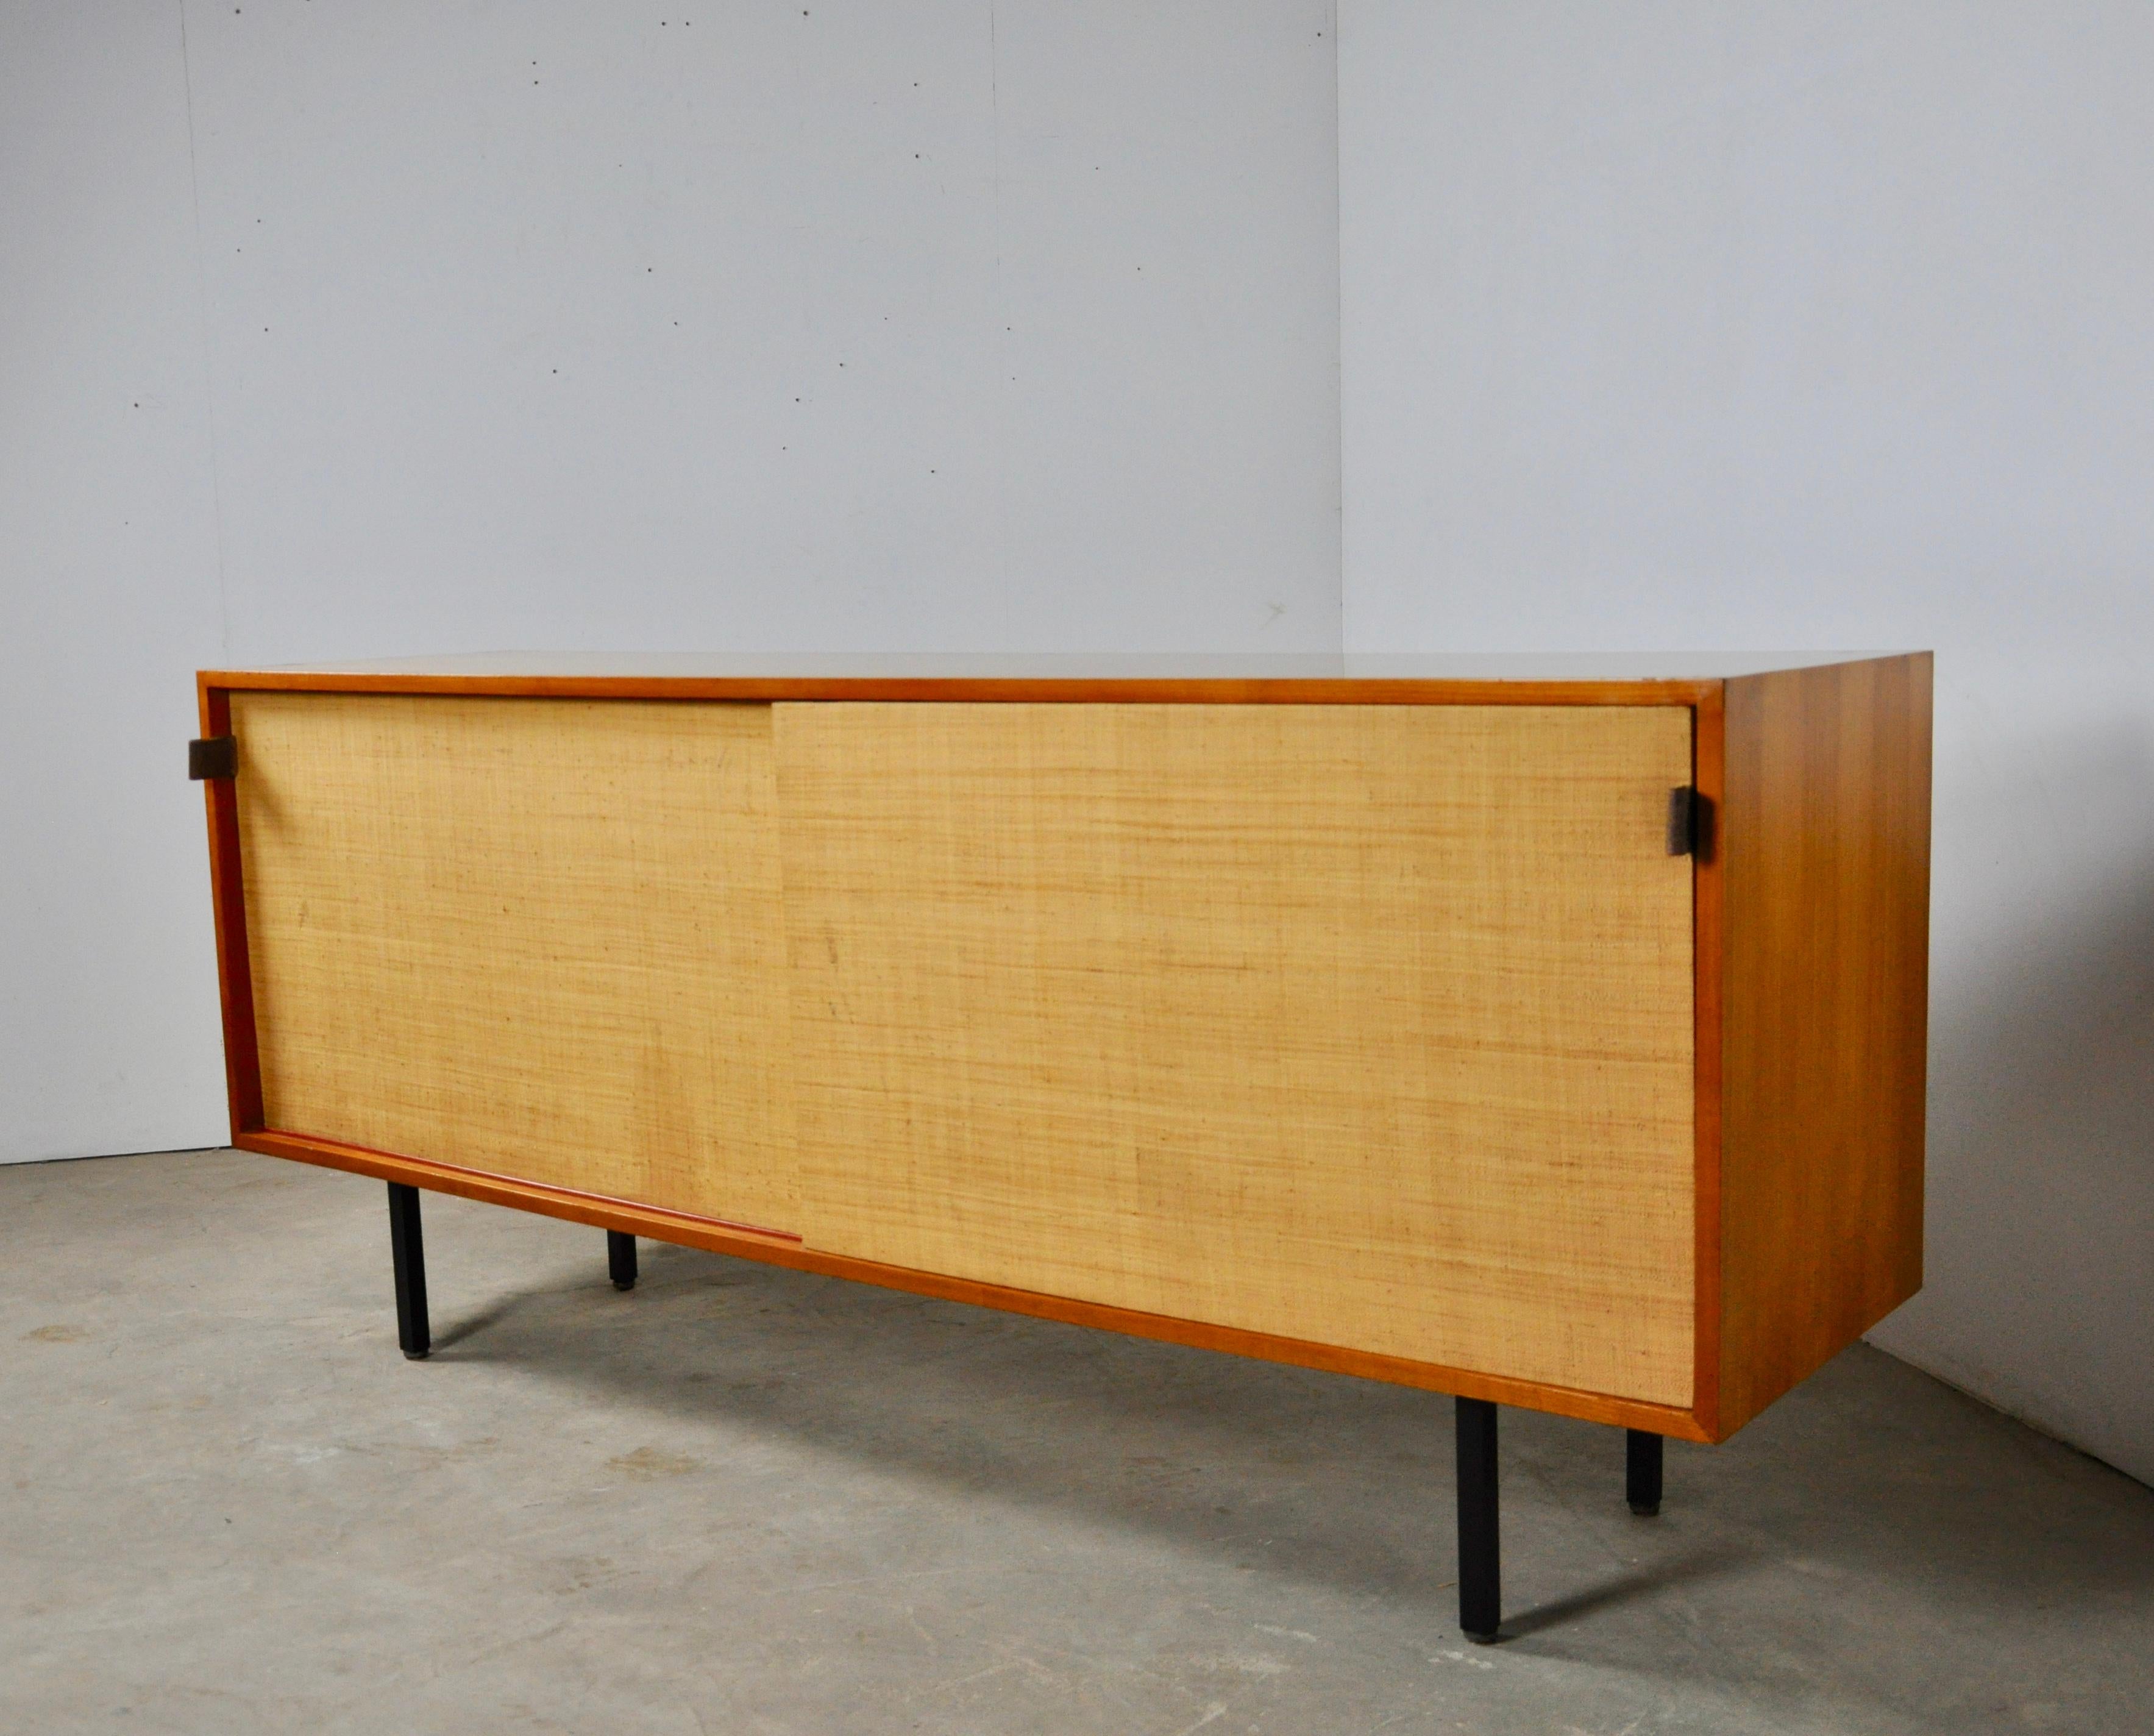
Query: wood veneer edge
[
  {"x": 1914, "y": 1178},
  {"x": 962, "y": 690},
  {"x": 235, "y": 980},
  {"x": 781, "y": 1248},
  {"x": 578, "y": 1204},
  {"x": 1708, "y": 774}
]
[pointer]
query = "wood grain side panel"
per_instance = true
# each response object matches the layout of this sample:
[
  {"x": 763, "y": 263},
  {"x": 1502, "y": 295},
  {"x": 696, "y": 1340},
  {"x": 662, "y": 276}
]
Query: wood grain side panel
[
  {"x": 687, "y": 1231},
  {"x": 1369, "y": 1026},
  {"x": 542, "y": 938},
  {"x": 1825, "y": 842}
]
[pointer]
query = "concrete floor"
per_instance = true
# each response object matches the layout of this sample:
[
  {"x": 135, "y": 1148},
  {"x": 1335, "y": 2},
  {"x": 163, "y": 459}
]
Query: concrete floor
[{"x": 740, "y": 1500}]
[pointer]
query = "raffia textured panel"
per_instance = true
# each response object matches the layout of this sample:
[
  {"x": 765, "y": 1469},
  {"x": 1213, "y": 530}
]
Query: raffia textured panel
[
  {"x": 540, "y": 937},
  {"x": 1367, "y": 1025}
]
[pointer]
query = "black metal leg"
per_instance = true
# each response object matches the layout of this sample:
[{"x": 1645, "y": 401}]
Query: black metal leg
[
  {"x": 409, "y": 1252},
  {"x": 1641, "y": 1478},
  {"x": 1480, "y": 1561},
  {"x": 620, "y": 1259}
]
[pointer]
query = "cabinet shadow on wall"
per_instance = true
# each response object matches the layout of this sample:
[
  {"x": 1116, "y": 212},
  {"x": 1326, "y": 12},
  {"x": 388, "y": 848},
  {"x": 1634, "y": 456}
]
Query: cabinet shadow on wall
[{"x": 2039, "y": 1293}]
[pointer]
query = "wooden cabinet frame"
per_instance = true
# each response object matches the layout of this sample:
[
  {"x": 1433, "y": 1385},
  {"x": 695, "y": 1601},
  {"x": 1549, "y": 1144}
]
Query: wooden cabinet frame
[{"x": 1810, "y": 912}]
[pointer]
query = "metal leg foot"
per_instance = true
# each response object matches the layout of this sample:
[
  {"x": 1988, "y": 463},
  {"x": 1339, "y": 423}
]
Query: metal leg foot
[
  {"x": 1642, "y": 1471},
  {"x": 408, "y": 1251},
  {"x": 1480, "y": 1561},
  {"x": 620, "y": 1259}
]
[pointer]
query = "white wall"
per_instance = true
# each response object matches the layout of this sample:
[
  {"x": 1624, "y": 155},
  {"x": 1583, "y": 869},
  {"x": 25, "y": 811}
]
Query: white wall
[
  {"x": 1824, "y": 325},
  {"x": 351, "y": 331},
  {"x": 108, "y": 593},
  {"x": 330, "y": 333}
]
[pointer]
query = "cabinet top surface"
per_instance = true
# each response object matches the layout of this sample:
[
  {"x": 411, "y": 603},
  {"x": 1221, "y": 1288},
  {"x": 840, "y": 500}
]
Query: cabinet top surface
[{"x": 1673, "y": 677}]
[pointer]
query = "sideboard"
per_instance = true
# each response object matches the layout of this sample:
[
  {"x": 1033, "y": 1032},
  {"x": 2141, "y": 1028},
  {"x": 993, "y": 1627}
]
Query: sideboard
[{"x": 1547, "y": 1035}]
